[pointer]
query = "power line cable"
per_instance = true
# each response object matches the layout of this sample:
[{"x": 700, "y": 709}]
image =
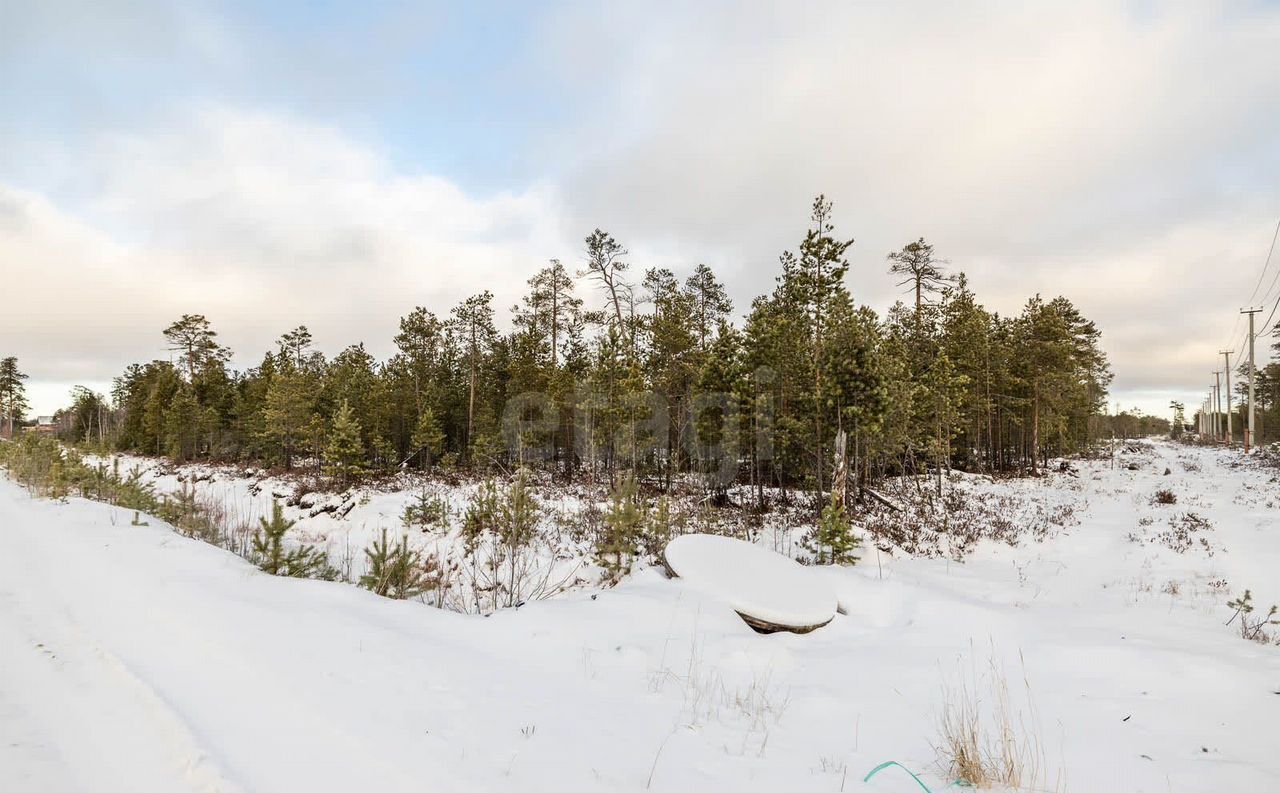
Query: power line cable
[
  {"x": 1266, "y": 326},
  {"x": 1275, "y": 278},
  {"x": 1265, "y": 264}
]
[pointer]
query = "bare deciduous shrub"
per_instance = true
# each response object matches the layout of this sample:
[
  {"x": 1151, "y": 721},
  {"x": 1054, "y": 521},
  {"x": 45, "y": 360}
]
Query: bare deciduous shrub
[
  {"x": 1164, "y": 496},
  {"x": 1183, "y": 533},
  {"x": 953, "y": 524},
  {"x": 508, "y": 561}
]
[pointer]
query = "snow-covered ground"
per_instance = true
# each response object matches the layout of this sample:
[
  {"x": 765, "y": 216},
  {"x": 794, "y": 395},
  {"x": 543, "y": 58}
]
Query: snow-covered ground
[
  {"x": 345, "y": 523},
  {"x": 134, "y": 659}
]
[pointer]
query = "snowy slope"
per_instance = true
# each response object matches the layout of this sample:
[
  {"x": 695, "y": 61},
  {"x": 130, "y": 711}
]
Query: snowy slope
[
  {"x": 134, "y": 659},
  {"x": 345, "y": 523}
]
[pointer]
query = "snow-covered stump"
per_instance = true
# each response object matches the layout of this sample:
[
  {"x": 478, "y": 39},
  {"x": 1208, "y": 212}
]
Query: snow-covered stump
[{"x": 771, "y": 592}]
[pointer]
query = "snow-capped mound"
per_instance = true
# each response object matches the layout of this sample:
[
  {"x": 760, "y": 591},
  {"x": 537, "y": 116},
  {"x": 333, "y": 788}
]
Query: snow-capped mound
[
  {"x": 770, "y": 591},
  {"x": 865, "y": 598}
]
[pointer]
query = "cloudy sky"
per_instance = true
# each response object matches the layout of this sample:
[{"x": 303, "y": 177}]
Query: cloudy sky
[{"x": 335, "y": 165}]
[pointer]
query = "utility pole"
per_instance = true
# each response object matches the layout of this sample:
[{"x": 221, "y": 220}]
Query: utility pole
[
  {"x": 1226, "y": 356},
  {"x": 1217, "y": 405},
  {"x": 1249, "y": 439},
  {"x": 1213, "y": 414}
]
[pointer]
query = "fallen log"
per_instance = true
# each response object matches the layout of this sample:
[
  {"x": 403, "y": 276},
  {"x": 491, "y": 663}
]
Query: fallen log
[
  {"x": 882, "y": 499},
  {"x": 769, "y": 591},
  {"x": 766, "y": 627}
]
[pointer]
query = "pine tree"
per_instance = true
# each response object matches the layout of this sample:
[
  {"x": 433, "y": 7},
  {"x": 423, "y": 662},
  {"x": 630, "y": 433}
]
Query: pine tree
[
  {"x": 304, "y": 561},
  {"x": 923, "y": 273},
  {"x": 193, "y": 339},
  {"x": 345, "y": 451},
  {"x": 966, "y": 331},
  {"x": 550, "y": 310},
  {"x": 181, "y": 424},
  {"x": 710, "y": 302},
  {"x": 397, "y": 571},
  {"x": 659, "y": 528},
  {"x": 473, "y": 324},
  {"x": 483, "y": 513},
  {"x": 717, "y": 430},
  {"x": 13, "y": 394},
  {"x": 852, "y": 357},
  {"x": 623, "y": 522},
  {"x": 352, "y": 377},
  {"x": 384, "y": 453},
  {"x": 544, "y": 351},
  {"x": 606, "y": 267},
  {"x": 1179, "y": 424},
  {"x": 518, "y": 513},
  {"x": 420, "y": 373},
  {"x": 295, "y": 347},
  {"x": 819, "y": 274},
  {"x": 157, "y": 392},
  {"x": 425, "y": 511},
  {"x": 674, "y": 358},
  {"x": 832, "y": 540},
  {"x": 776, "y": 351},
  {"x": 184, "y": 510},
  {"x": 287, "y": 412},
  {"x": 428, "y": 438}
]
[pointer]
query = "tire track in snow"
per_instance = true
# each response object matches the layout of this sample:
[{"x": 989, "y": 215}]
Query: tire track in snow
[
  {"x": 118, "y": 714},
  {"x": 96, "y": 718}
]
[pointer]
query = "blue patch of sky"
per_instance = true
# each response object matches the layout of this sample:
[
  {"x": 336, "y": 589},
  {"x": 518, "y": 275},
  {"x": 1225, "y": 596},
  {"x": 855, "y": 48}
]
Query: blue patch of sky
[
  {"x": 451, "y": 89},
  {"x": 456, "y": 90}
]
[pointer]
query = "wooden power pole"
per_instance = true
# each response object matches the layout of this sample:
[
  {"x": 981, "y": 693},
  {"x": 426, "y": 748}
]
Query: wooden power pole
[
  {"x": 1226, "y": 356},
  {"x": 1217, "y": 405},
  {"x": 1249, "y": 438}
]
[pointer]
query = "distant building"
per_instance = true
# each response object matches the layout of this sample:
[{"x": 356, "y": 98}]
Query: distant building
[{"x": 45, "y": 425}]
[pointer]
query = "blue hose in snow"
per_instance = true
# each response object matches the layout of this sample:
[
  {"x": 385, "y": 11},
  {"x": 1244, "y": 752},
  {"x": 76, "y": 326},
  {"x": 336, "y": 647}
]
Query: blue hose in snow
[{"x": 888, "y": 763}]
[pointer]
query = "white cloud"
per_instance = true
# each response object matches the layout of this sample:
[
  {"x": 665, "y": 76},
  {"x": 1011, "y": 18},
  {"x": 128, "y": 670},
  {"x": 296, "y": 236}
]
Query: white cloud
[
  {"x": 261, "y": 223},
  {"x": 1127, "y": 156}
]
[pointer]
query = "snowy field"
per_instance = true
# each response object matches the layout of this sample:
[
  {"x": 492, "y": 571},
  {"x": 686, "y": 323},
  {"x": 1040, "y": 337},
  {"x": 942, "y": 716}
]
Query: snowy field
[{"x": 134, "y": 659}]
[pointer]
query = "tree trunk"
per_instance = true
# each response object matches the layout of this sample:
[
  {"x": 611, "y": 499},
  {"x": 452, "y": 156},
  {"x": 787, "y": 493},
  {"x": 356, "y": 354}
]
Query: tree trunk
[{"x": 1035, "y": 424}]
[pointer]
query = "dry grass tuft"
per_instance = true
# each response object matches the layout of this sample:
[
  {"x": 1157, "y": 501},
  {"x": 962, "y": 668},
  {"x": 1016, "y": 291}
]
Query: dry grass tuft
[{"x": 985, "y": 739}]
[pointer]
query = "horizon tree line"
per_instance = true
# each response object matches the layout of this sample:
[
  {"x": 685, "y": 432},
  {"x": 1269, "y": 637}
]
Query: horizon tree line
[{"x": 659, "y": 383}]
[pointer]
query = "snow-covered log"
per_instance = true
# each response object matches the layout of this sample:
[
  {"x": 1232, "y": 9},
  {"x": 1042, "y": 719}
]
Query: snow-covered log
[{"x": 771, "y": 592}]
